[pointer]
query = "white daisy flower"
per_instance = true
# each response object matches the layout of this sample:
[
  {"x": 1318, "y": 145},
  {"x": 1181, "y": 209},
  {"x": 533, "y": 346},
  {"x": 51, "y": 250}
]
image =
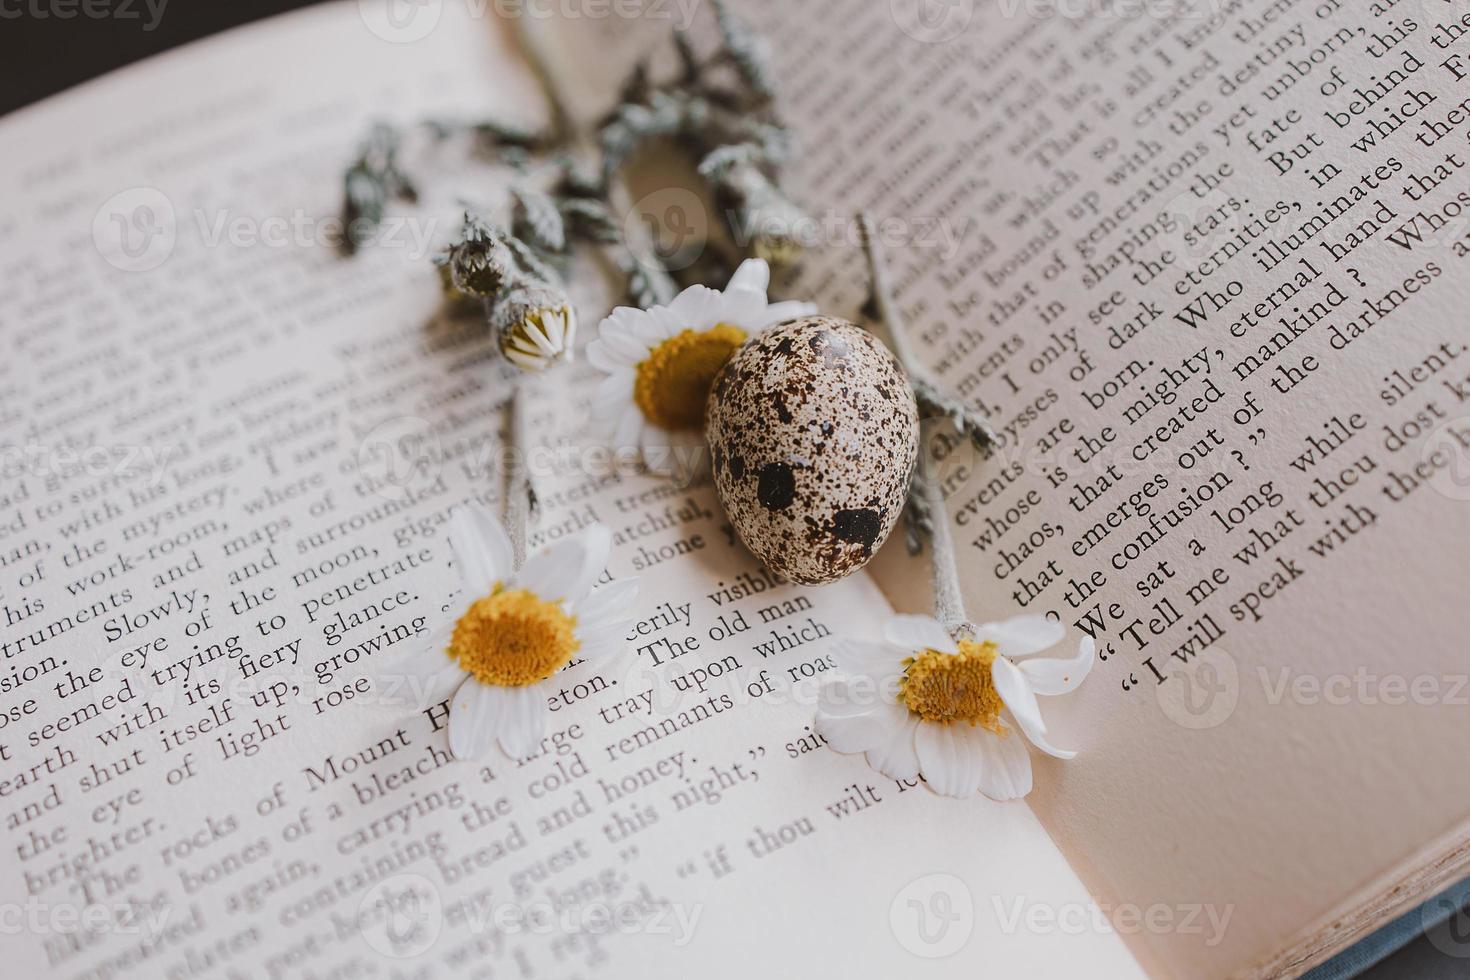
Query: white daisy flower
[
  {"x": 918, "y": 702},
  {"x": 516, "y": 631},
  {"x": 535, "y": 330},
  {"x": 661, "y": 362}
]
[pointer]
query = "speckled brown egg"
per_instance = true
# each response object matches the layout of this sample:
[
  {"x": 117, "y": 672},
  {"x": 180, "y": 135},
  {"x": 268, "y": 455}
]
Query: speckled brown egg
[{"x": 813, "y": 433}]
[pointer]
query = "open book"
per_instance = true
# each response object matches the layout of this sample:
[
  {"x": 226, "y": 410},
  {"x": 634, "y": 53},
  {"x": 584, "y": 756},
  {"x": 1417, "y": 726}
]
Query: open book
[{"x": 1201, "y": 263}]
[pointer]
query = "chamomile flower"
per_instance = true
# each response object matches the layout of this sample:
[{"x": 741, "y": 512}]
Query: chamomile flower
[
  {"x": 661, "y": 362},
  {"x": 918, "y": 702},
  {"x": 534, "y": 327},
  {"x": 515, "y": 631}
]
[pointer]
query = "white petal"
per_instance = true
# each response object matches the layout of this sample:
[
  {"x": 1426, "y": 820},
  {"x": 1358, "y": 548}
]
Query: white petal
[
  {"x": 608, "y": 358},
  {"x": 1005, "y": 772},
  {"x": 657, "y": 449},
  {"x": 855, "y": 717},
  {"x": 950, "y": 757},
  {"x": 607, "y": 603},
  {"x": 896, "y": 757},
  {"x": 916, "y": 633},
  {"x": 1059, "y": 675},
  {"x": 1016, "y": 692},
  {"x": 649, "y": 326},
  {"x": 474, "y": 715},
  {"x": 481, "y": 548},
  {"x": 522, "y": 720},
  {"x": 697, "y": 307},
  {"x": 630, "y": 431},
  {"x": 604, "y": 642},
  {"x": 602, "y": 420},
  {"x": 650, "y": 331},
  {"x": 526, "y": 362},
  {"x": 620, "y": 341},
  {"x": 867, "y": 658},
  {"x": 569, "y": 336},
  {"x": 429, "y": 674},
  {"x": 856, "y": 732},
  {"x": 614, "y": 389},
  {"x": 554, "y": 571},
  {"x": 555, "y": 327},
  {"x": 543, "y": 341},
  {"x": 852, "y": 696},
  {"x": 1038, "y": 739},
  {"x": 662, "y": 323},
  {"x": 744, "y": 308},
  {"x": 596, "y": 544},
  {"x": 752, "y": 274},
  {"x": 1021, "y": 635}
]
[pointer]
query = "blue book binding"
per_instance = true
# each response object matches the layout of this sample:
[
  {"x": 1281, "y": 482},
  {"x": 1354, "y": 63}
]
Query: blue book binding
[{"x": 1390, "y": 938}]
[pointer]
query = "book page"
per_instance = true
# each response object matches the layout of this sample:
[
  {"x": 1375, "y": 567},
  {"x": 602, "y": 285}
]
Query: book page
[
  {"x": 229, "y": 458},
  {"x": 1204, "y": 265}
]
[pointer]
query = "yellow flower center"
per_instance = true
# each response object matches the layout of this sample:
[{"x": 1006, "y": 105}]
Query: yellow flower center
[
  {"x": 672, "y": 384},
  {"x": 513, "y": 638},
  {"x": 948, "y": 687}
]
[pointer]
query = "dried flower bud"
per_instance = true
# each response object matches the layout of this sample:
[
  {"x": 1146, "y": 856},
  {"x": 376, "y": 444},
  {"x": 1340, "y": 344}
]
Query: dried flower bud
[
  {"x": 534, "y": 326},
  {"x": 480, "y": 265},
  {"x": 456, "y": 301}
]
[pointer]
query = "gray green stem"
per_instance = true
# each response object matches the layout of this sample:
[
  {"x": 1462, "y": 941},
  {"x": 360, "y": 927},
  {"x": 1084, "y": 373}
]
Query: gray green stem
[
  {"x": 518, "y": 491},
  {"x": 949, "y": 603}
]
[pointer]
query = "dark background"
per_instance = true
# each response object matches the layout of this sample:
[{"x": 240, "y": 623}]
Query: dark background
[{"x": 44, "y": 55}]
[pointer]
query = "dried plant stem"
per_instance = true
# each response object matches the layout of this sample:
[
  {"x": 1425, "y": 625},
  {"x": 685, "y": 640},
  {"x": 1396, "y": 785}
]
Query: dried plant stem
[
  {"x": 949, "y": 603},
  {"x": 519, "y": 494},
  {"x": 638, "y": 251}
]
